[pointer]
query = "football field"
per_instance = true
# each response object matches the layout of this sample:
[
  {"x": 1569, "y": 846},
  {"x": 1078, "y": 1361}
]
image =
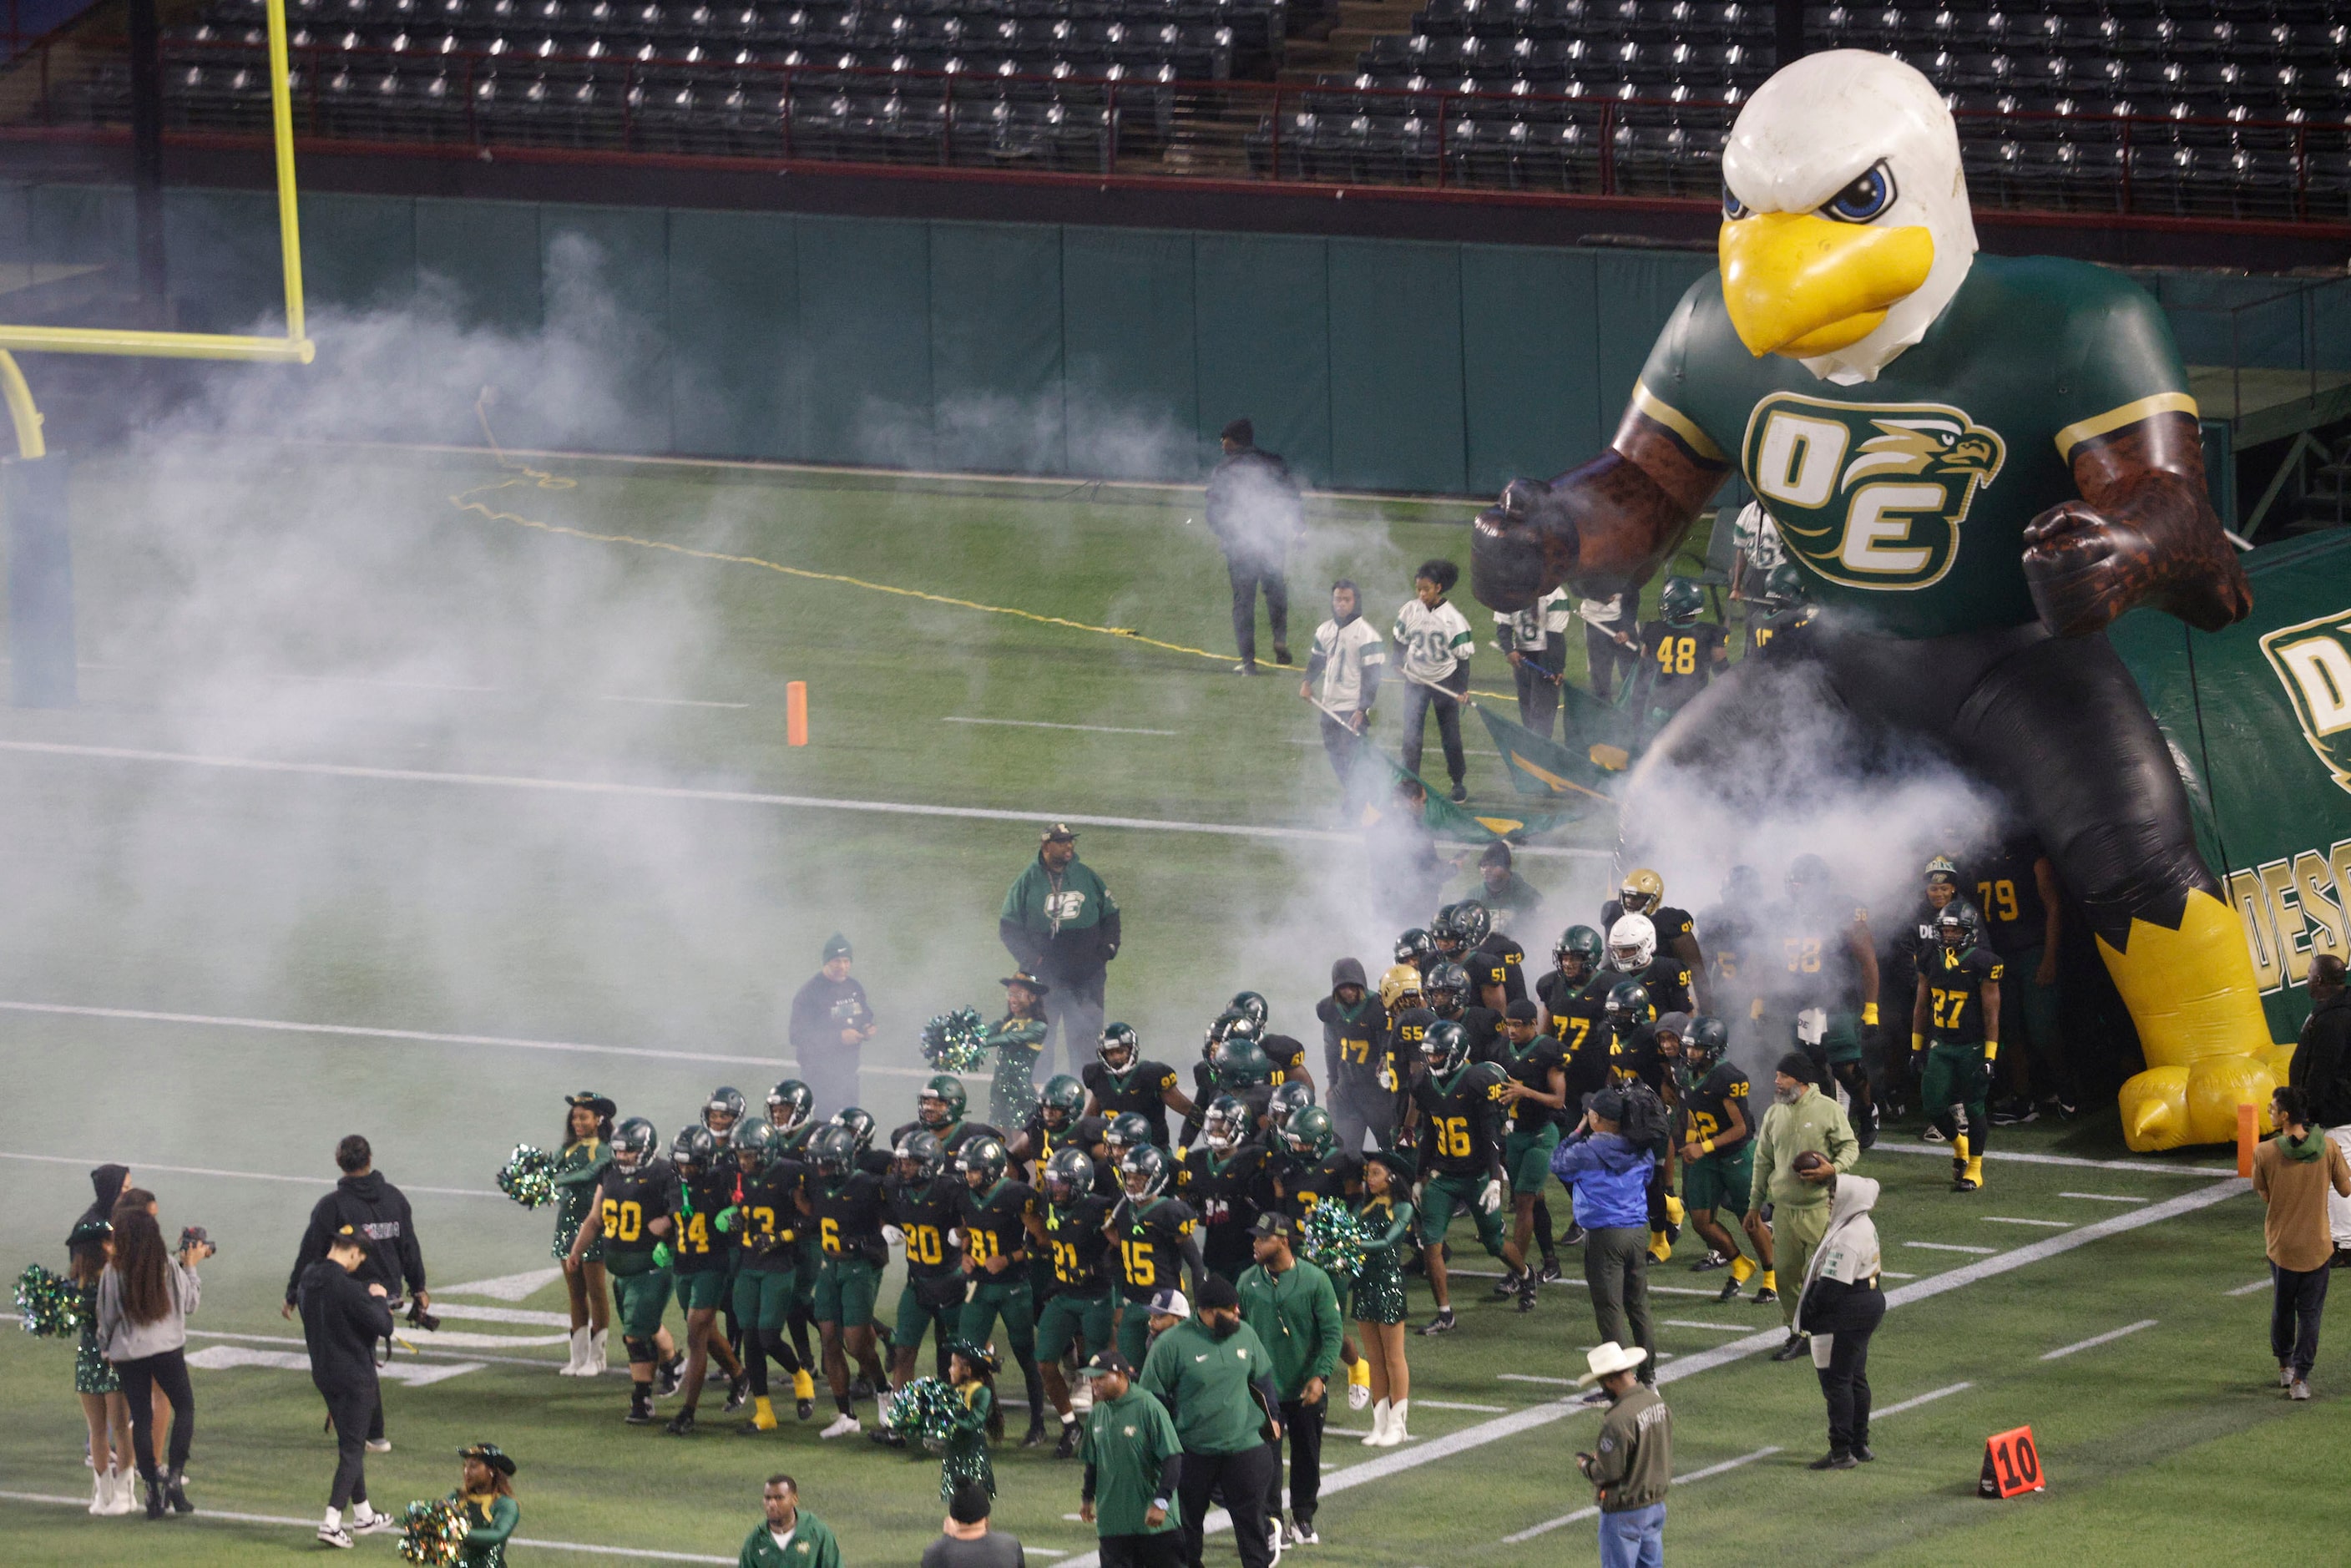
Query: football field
[{"x": 408, "y": 793}]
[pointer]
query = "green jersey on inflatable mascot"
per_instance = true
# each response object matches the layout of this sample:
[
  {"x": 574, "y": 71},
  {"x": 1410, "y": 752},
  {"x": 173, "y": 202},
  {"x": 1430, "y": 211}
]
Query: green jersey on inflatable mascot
[{"x": 1978, "y": 462}]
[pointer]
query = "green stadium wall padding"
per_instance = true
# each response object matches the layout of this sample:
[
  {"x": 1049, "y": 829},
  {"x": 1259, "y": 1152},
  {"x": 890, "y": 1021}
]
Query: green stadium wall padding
[{"x": 1034, "y": 349}]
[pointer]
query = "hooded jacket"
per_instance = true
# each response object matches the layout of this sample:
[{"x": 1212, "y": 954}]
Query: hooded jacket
[
  {"x": 1060, "y": 925},
  {"x": 376, "y": 1208},
  {"x": 2321, "y": 1067},
  {"x": 106, "y": 1186},
  {"x": 1354, "y": 1039},
  {"x": 1841, "y": 1292},
  {"x": 340, "y": 1325},
  {"x": 1610, "y": 1177}
]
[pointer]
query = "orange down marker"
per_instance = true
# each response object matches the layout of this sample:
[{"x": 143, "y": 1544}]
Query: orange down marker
[
  {"x": 795, "y": 713},
  {"x": 2248, "y": 1134}
]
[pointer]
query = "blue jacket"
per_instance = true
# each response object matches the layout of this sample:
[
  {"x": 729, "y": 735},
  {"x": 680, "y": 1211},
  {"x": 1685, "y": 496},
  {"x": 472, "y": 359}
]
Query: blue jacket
[{"x": 1609, "y": 1176}]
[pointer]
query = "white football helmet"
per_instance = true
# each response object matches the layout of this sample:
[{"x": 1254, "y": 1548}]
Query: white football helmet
[{"x": 1632, "y": 944}]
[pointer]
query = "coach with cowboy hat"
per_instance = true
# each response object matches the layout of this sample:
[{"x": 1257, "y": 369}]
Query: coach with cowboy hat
[
  {"x": 1633, "y": 1463},
  {"x": 1062, "y": 924}
]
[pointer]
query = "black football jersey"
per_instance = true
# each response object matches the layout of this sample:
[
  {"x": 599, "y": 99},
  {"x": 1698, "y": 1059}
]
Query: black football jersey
[
  {"x": 996, "y": 1221},
  {"x": 767, "y": 1214},
  {"x": 847, "y": 1212},
  {"x": 699, "y": 1244},
  {"x": 1075, "y": 1243},
  {"x": 1955, "y": 983},
  {"x": 1045, "y": 1140},
  {"x": 1666, "y": 979},
  {"x": 1411, "y": 1027},
  {"x": 1814, "y": 965},
  {"x": 2008, "y": 896},
  {"x": 1150, "y": 1246},
  {"x": 1354, "y": 1039},
  {"x": 1632, "y": 1053},
  {"x": 1725, "y": 936},
  {"x": 1459, "y": 1118},
  {"x": 629, "y": 1201},
  {"x": 1225, "y": 1191},
  {"x": 1672, "y": 923},
  {"x": 1139, "y": 1089},
  {"x": 926, "y": 1212},
  {"x": 1287, "y": 1055},
  {"x": 1678, "y": 660},
  {"x": 1498, "y": 961},
  {"x": 1531, "y": 1066},
  {"x": 1482, "y": 1028},
  {"x": 1305, "y": 1183},
  {"x": 1707, "y": 1102}
]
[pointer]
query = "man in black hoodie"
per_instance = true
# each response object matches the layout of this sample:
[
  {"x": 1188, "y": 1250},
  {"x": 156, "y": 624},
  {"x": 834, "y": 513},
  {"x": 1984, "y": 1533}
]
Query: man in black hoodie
[
  {"x": 375, "y": 1209},
  {"x": 342, "y": 1319}
]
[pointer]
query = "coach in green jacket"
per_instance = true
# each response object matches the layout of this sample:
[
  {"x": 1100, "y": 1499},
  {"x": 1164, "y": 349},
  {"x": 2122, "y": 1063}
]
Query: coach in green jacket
[
  {"x": 1215, "y": 1376},
  {"x": 788, "y": 1537},
  {"x": 1804, "y": 1140},
  {"x": 1062, "y": 924},
  {"x": 1294, "y": 1308},
  {"x": 1134, "y": 1465}
]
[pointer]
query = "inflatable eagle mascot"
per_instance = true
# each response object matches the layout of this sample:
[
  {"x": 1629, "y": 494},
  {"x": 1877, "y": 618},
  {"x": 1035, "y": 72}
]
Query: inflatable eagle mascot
[{"x": 1976, "y": 463}]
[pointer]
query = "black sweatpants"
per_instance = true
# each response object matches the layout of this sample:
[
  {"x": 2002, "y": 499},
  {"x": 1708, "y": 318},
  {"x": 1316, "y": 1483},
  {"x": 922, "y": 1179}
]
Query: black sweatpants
[
  {"x": 1073, "y": 1011},
  {"x": 353, "y": 1411},
  {"x": 1248, "y": 576},
  {"x": 1841, "y": 1360},
  {"x": 1243, "y": 1478},
  {"x": 1607, "y": 659},
  {"x": 1301, "y": 1429},
  {"x": 141, "y": 1377},
  {"x": 1165, "y": 1550},
  {"x": 1539, "y": 698},
  {"x": 2296, "y": 1300},
  {"x": 1417, "y": 700}
]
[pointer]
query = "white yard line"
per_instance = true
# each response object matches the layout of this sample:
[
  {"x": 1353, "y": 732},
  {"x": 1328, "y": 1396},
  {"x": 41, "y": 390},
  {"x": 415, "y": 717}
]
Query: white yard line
[
  {"x": 1551, "y": 1524},
  {"x": 2146, "y": 1167},
  {"x": 88, "y": 1162},
  {"x": 1048, "y": 724},
  {"x": 2101, "y": 1198},
  {"x": 1913, "y": 1402},
  {"x": 668, "y": 701},
  {"x": 209, "y": 1512},
  {"x": 1719, "y": 1328},
  {"x": 403, "y": 1344},
  {"x": 1449, "y": 1405},
  {"x": 1530, "y": 1377},
  {"x": 1028, "y": 817},
  {"x": 506, "y": 1287},
  {"x": 422, "y": 1037},
  {"x": 2249, "y": 1290},
  {"x": 1893, "y": 1274},
  {"x": 1950, "y": 1247},
  {"x": 2107, "y": 1338},
  {"x": 2011, "y": 1219}
]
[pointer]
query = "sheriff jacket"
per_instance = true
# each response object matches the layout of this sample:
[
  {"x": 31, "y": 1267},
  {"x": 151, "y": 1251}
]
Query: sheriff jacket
[{"x": 1060, "y": 922}]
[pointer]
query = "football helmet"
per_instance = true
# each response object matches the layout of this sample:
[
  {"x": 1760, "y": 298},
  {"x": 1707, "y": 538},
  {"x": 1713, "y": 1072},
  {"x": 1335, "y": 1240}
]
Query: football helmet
[
  {"x": 633, "y": 1143},
  {"x": 1287, "y": 1100},
  {"x": 859, "y": 1124},
  {"x": 1063, "y": 1093},
  {"x": 1119, "y": 1046},
  {"x": 1641, "y": 891},
  {"x": 1239, "y": 1063},
  {"x": 1143, "y": 1170},
  {"x": 1583, "y": 944},
  {"x": 1448, "y": 978},
  {"x": 1446, "y": 1047},
  {"x": 1309, "y": 1133},
  {"x": 942, "y": 1101},
  {"x": 723, "y": 1102},
  {"x": 1705, "y": 1044},
  {"x": 1225, "y": 1124},
  {"x": 1959, "y": 927},
  {"x": 919, "y": 1157},
  {"x": 1068, "y": 1175},
  {"x": 1680, "y": 601},
  {"x": 1250, "y": 1006},
  {"x": 832, "y": 1149},
  {"x": 1632, "y": 944},
  {"x": 754, "y": 1144},
  {"x": 1415, "y": 946},
  {"x": 1127, "y": 1130},
  {"x": 1628, "y": 1004},
  {"x": 789, "y": 1104},
  {"x": 1399, "y": 981},
  {"x": 1472, "y": 921},
  {"x": 694, "y": 1149},
  {"x": 983, "y": 1157},
  {"x": 1785, "y": 586}
]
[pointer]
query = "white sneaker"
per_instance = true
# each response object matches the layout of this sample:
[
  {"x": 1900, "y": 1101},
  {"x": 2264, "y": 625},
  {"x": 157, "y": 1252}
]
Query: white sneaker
[
  {"x": 1303, "y": 1536},
  {"x": 842, "y": 1427},
  {"x": 1379, "y": 1424},
  {"x": 378, "y": 1444},
  {"x": 1358, "y": 1395},
  {"x": 1082, "y": 1397},
  {"x": 373, "y": 1524},
  {"x": 335, "y": 1535},
  {"x": 1395, "y": 1432}
]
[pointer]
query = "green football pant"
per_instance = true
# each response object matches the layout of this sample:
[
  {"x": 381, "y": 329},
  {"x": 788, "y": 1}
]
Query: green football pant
[
  {"x": 845, "y": 1289},
  {"x": 702, "y": 1288},
  {"x": 1958, "y": 1079},
  {"x": 1442, "y": 1196},
  {"x": 638, "y": 1302},
  {"x": 1069, "y": 1317},
  {"x": 763, "y": 1298},
  {"x": 1134, "y": 1331},
  {"x": 1719, "y": 1181},
  {"x": 1012, "y": 1301},
  {"x": 914, "y": 1318},
  {"x": 1526, "y": 1159}
]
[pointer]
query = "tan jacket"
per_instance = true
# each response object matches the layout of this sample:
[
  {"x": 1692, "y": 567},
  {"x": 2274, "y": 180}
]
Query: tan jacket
[{"x": 2296, "y": 1230}]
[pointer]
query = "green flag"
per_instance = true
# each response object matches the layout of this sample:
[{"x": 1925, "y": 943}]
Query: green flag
[
  {"x": 1448, "y": 820},
  {"x": 1541, "y": 766}
]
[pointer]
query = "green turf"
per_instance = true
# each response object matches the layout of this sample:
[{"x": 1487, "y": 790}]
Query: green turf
[{"x": 683, "y": 925}]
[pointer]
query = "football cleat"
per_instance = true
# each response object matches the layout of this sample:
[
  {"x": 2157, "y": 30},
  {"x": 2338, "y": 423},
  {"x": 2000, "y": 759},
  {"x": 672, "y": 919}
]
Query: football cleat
[
  {"x": 680, "y": 1424},
  {"x": 1767, "y": 1294},
  {"x": 1712, "y": 1261},
  {"x": 1730, "y": 1291},
  {"x": 1548, "y": 1274},
  {"x": 1442, "y": 1322},
  {"x": 843, "y": 1425},
  {"x": 1066, "y": 1448}
]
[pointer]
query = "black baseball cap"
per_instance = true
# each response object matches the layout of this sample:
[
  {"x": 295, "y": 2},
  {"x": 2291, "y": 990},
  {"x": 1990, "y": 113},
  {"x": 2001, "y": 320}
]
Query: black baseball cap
[
  {"x": 1104, "y": 1364},
  {"x": 1272, "y": 1222},
  {"x": 1058, "y": 834},
  {"x": 1216, "y": 1292}
]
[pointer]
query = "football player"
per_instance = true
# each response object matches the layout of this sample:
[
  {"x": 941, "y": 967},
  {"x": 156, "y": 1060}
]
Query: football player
[
  {"x": 1632, "y": 954},
  {"x": 998, "y": 1211},
  {"x": 939, "y": 1109},
  {"x": 705, "y": 1190},
  {"x": 1497, "y": 967},
  {"x": 1449, "y": 998},
  {"x": 1726, "y": 935},
  {"x": 1679, "y": 654},
  {"x": 1717, "y": 1157},
  {"x": 1154, "y": 1245},
  {"x": 1955, "y": 1022},
  {"x": 1913, "y": 941},
  {"x": 923, "y": 1201},
  {"x": 1643, "y": 892},
  {"x": 765, "y": 1225},
  {"x": 845, "y": 1203},
  {"x": 1829, "y": 968},
  {"x": 1050, "y": 1125},
  {"x": 1122, "y": 1079},
  {"x": 1237, "y": 1066},
  {"x": 1459, "y": 1105},
  {"x": 720, "y": 1112},
  {"x": 1784, "y": 608},
  {"x": 1417, "y": 948},
  {"x": 1077, "y": 1314},
  {"x": 635, "y": 1198},
  {"x": 1409, "y": 1017},
  {"x": 1534, "y": 1093},
  {"x": 789, "y": 1105},
  {"x": 1223, "y": 1177},
  {"x": 1354, "y": 1056}
]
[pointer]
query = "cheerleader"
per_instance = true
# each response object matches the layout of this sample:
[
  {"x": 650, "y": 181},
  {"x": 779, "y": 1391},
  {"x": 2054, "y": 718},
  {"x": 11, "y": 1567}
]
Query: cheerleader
[
  {"x": 1386, "y": 1212},
  {"x": 972, "y": 1369},
  {"x": 485, "y": 1489},
  {"x": 99, "y": 1390},
  {"x": 587, "y": 1150},
  {"x": 1018, "y": 1039}
]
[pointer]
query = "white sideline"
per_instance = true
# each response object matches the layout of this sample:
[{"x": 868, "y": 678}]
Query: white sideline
[
  {"x": 85, "y": 1163},
  {"x": 311, "y": 1524},
  {"x": 1048, "y": 724},
  {"x": 416, "y": 1373},
  {"x": 2101, "y": 1198},
  {"x": 422, "y": 1037},
  {"x": 1914, "y": 1402},
  {"x": 2009, "y": 1220},
  {"x": 2249, "y": 1290},
  {"x": 1950, "y": 1247},
  {"x": 1552, "y": 1524},
  {"x": 1503, "y": 1428},
  {"x": 2098, "y": 1339},
  {"x": 1028, "y": 817}
]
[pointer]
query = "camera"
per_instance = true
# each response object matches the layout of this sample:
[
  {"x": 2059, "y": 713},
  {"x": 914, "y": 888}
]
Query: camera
[
  {"x": 428, "y": 1321},
  {"x": 195, "y": 1236}
]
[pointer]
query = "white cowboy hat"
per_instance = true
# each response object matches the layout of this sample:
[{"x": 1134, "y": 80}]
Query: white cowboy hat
[{"x": 1609, "y": 1358}]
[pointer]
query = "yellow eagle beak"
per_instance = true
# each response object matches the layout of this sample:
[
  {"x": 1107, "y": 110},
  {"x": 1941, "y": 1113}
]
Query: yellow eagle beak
[{"x": 1798, "y": 285}]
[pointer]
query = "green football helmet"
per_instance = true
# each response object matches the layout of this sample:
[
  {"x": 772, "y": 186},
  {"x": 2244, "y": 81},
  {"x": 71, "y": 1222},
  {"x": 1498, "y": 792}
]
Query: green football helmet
[
  {"x": 754, "y": 1143},
  {"x": 1681, "y": 601},
  {"x": 1579, "y": 942},
  {"x": 635, "y": 1142},
  {"x": 1704, "y": 1046},
  {"x": 1250, "y": 1006},
  {"x": 833, "y": 1150},
  {"x": 724, "y": 1102},
  {"x": 1068, "y": 1175},
  {"x": 1628, "y": 1004},
  {"x": 1127, "y": 1130},
  {"x": 1415, "y": 947},
  {"x": 1241, "y": 1063},
  {"x": 1287, "y": 1100},
  {"x": 1120, "y": 1047},
  {"x": 984, "y": 1158},
  {"x": 1062, "y": 1094},
  {"x": 919, "y": 1157},
  {"x": 942, "y": 1101},
  {"x": 1225, "y": 1122},
  {"x": 1310, "y": 1133},
  {"x": 1446, "y": 1047},
  {"x": 694, "y": 1149},
  {"x": 790, "y": 1103},
  {"x": 1143, "y": 1170},
  {"x": 860, "y": 1125},
  {"x": 1441, "y": 933},
  {"x": 1784, "y": 586}
]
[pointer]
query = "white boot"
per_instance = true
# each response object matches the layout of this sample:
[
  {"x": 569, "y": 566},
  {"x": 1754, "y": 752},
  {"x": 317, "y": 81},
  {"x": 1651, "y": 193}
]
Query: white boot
[
  {"x": 597, "y": 1364},
  {"x": 123, "y": 1486},
  {"x": 1395, "y": 1432},
  {"x": 1379, "y": 1424},
  {"x": 578, "y": 1365},
  {"x": 101, "y": 1490}
]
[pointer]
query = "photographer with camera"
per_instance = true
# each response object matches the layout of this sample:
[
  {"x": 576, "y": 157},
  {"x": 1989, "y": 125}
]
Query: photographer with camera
[
  {"x": 376, "y": 1210},
  {"x": 143, "y": 1302},
  {"x": 832, "y": 1021},
  {"x": 343, "y": 1322}
]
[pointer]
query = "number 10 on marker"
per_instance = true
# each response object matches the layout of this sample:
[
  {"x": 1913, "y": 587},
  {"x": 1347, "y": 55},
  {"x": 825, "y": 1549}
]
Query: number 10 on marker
[{"x": 2012, "y": 1464}]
